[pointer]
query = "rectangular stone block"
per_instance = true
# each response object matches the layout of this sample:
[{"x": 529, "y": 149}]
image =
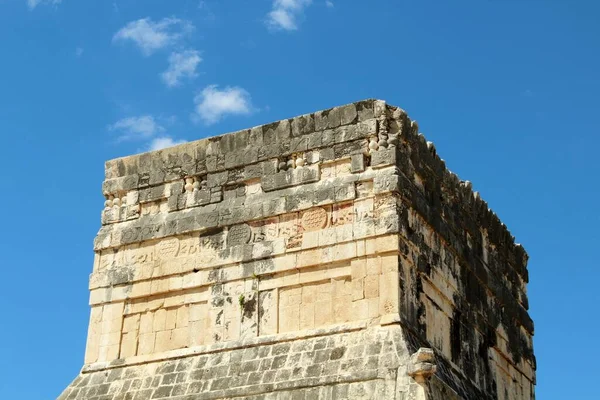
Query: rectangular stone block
[
  {"x": 383, "y": 157},
  {"x": 357, "y": 163}
]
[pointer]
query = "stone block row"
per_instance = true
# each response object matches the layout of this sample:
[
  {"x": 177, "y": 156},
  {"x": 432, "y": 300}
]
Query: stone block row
[{"x": 358, "y": 364}]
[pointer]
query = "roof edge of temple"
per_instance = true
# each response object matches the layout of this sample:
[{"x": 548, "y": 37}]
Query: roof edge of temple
[
  {"x": 366, "y": 111},
  {"x": 365, "y": 102}
]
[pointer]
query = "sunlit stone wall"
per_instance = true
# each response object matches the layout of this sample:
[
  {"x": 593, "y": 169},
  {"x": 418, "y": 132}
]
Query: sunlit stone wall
[{"x": 328, "y": 255}]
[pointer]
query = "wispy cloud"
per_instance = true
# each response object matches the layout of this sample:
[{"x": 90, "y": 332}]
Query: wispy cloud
[
  {"x": 163, "y": 142},
  {"x": 329, "y": 4},
  {"x": 34, "y": 3},
  {"x": 208, "y": 15},
  {"x": 284, "y": 14},
  {"x": 282, "y": 19},
  {"x": 213, "y": 104},
  {"x": 150, "y": 36},
  {"x": 527, "y": 93},
  {"x": 145, "y": 128},
  {"x": 136, "y": 128},
  {"x": 181, "y": 65},
  {"x": 78, "y": 52}
]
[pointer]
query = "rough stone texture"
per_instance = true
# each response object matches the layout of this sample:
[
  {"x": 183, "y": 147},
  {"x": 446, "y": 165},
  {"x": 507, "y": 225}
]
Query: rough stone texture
[{"x": 331, "y": 256}]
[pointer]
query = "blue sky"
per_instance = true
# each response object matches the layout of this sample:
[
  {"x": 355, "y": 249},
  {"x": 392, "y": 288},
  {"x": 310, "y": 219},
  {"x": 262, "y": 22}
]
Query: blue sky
[{"x": 506, "y": 89}]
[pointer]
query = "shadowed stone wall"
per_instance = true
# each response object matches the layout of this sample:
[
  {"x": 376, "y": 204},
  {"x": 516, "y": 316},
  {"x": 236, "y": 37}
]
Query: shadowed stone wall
[{"x": 330, "y": 255}]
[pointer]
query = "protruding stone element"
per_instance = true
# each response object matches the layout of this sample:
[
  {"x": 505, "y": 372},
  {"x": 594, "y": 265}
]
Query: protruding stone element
[
  {"x": 431, "y": 147},
  {"x": 467, "y": 185},
  {"x": 357, "y": 163},
  {"x": 414, "y": 125},
  {"x": 393, "y": 140},
  {"x": 314, "y": 219},
  {"x": 379, "y": 108},
  {"x": 373, "y": 144},
  {"x": 189, "y": 184},
  {"x": 167, "y": 248},
  {"x": 192, "y": 184},
  {"x": 291, "y": 163},
  {"x": 239, "y": 234},
  {"x": 422, "y": 365}
]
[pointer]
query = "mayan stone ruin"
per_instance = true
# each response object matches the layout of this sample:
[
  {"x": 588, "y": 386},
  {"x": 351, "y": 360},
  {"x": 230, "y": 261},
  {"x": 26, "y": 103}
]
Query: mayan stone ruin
[{"x": 326, "y": 256}]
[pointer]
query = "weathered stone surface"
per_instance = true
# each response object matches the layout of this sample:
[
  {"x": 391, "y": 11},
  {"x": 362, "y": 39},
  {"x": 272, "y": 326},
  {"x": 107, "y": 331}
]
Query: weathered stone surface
[{"x": 330, "y": 255}]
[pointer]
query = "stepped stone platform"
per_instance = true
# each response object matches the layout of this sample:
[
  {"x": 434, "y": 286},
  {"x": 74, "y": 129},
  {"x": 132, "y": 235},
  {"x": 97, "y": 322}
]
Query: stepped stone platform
[{"x": 326, "y": 256}]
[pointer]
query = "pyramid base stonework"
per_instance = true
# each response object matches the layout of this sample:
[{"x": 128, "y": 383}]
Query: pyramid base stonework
[
  {"x": 347, "y": 362},
  {"x": 331, "y": 255}
]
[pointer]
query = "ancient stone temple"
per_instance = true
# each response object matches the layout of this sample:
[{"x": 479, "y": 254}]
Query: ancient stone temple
[{"x": 327, "y": 256}]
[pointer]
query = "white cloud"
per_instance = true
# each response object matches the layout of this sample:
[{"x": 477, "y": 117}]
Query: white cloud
[
  {"x": 181, "y": 65},
  {"x": 212, "y": 104},
  {"x": 145, "y": 128},
  {"x": 527, "y": 93},
  {"x": 136, "y": 128},
  {"x": 163, "y": 142},
  {"x": 34, "y": 3},
  {"x": 282, "y": 19},
  {"x": 329, "y": 4},
  {"x": 207, "y": 12},
  {"x": 151, "y": 36},
  {"x": 284, "y": 14},
  {"x": 291, "y": 4}
]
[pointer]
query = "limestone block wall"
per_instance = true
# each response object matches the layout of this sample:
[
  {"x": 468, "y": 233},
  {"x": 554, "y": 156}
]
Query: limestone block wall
[
  {"x": 463, "y": 278},
  {"x": 312, "y": 256}
]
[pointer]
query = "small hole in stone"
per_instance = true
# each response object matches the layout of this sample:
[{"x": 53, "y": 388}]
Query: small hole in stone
[{"x": 196, "y": 270}]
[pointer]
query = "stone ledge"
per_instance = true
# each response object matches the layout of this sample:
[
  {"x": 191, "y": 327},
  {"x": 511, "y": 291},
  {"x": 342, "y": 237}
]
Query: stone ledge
[
  {"x": 267, "y": 135},
  {"x": 375, "y": 245},
  {"x": 220, "y": 347},
  {"x": 270, "y": 204},
  {"x": 361, "y": 364},
  {"x": 278, "y": 387}
]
